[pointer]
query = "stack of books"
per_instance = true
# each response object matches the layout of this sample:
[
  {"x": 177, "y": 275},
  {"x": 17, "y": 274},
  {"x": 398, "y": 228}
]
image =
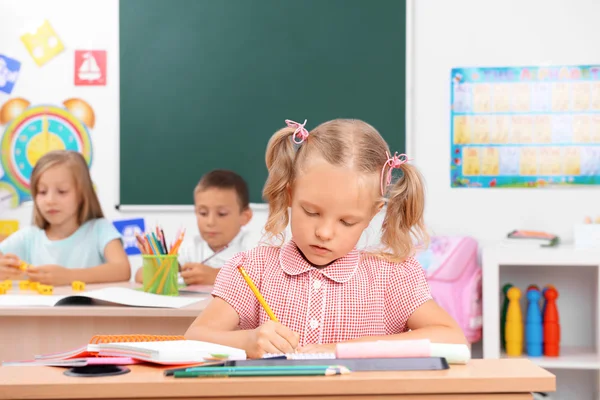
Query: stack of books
[{"x": 531, "y": 238}]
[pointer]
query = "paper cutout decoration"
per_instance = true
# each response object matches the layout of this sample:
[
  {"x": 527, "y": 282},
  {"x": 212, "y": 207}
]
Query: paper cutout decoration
[
  {"x": 43, "y": 44},
  {"x": 8, "y": 227},
  {"x": 32, "y": 131},
  {"x": 90, "y": 67},
  {"x": 9, "y": 72},
  {"x": 128, "y": 229}
]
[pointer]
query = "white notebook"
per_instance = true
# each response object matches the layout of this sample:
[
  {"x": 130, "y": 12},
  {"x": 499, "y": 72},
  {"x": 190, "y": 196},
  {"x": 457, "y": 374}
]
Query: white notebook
[
  {"x": 114, "y": 295},
  {"x": 302, "y": 356},
  {"x": 169, "y": 352}
]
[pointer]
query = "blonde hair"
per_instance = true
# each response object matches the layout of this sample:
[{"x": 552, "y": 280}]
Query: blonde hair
[
  {"x": 353, "y": 144},
  {"x": 89, "y": 207}
]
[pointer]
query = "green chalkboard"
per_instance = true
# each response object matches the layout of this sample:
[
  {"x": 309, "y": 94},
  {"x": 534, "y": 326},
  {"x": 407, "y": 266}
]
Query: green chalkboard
[{"x": 205, "y": 83}]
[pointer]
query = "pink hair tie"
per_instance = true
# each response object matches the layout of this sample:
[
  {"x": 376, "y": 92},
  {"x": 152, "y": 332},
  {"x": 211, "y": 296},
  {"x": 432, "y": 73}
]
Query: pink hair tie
[
  {"x": 300, "y": 131},
  {"x": 390, "y": 164}
]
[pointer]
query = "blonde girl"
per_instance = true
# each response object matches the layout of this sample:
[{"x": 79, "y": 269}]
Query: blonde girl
[
  {"x": 70, "y": 240},
  {"x": 331, "y": 182}
]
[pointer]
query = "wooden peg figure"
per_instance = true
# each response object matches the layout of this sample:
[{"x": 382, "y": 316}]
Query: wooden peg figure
[
  {"x": 533, "y": 286},
  {"x": 551, "y": 324},
  {"x": 544, "y": 302},
  {"x": 533, "y": 328},
  {"x": 514, "y": 323},
  {"x": 503, "y": 315}
]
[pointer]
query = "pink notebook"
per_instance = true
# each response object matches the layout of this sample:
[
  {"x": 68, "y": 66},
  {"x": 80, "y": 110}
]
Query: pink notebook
[
  {"x": 74, "y": 362},
  {"x": 383, "y": 349}
]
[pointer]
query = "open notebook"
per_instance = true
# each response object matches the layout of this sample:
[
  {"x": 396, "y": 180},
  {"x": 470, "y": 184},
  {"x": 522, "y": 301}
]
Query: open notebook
[
  {"x": 112, "y": 295},
  {"x": 170, "y": 352},
  {"x": 132, "y": 349}
]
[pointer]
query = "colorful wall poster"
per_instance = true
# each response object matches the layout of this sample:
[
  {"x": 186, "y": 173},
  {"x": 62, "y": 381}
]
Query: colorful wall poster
[
  {"x": 9, "y": 72},
  {"x": 33, "y": 130},
  {"x": 90, "y": 68},
  {"x": 128, "y": 229},
  {"x": 43, "y": 44},
  {"x": 525, "y": 126}
]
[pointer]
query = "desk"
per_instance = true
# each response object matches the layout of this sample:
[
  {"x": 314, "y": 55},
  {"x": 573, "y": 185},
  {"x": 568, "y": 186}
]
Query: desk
[
  {"x": 508, "y": 379},
  {"x": 27, "y": 331}
]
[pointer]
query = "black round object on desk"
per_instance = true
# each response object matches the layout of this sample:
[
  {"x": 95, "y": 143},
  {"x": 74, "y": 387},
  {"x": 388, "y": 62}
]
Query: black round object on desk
[{"x": 92, "y": 371}]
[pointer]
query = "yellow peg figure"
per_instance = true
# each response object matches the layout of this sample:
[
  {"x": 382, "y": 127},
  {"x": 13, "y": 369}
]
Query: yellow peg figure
[{"x": 513, "y": 331}]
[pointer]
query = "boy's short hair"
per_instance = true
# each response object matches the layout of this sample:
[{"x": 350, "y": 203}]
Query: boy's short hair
[{"x": 225, "y": 179}]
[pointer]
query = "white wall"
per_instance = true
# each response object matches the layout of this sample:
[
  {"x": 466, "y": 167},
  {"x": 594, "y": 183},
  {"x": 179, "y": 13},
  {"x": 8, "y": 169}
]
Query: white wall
[
  {"x": 445, "y": 35},
  {"x": 463, "y": 33}
]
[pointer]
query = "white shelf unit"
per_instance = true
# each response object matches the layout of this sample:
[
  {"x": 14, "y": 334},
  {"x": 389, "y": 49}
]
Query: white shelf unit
[{"x": 576, "y": 275}]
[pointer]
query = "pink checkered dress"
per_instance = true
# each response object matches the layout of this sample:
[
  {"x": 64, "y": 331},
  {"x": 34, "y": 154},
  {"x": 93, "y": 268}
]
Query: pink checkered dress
[{"x": 357, "y": 295}]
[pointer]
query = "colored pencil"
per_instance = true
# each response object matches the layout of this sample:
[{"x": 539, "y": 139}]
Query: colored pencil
[{"x": 277, "y": 371}]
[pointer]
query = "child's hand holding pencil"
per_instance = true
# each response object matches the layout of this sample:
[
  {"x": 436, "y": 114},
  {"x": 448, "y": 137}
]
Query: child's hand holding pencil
[{"x": 271, "y": 337}]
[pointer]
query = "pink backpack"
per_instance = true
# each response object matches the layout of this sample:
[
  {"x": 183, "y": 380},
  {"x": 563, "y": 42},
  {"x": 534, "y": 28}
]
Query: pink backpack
[{"x": 454, "y": 276}]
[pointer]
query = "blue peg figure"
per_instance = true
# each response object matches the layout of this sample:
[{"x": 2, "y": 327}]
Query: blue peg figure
[{"x": 533, "y": 328}]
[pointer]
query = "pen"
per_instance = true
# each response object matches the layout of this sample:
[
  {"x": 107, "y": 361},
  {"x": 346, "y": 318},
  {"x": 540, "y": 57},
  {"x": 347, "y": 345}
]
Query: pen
[
  {"x": 214, "y": 254},
  {"x": 257, "y": 294}
]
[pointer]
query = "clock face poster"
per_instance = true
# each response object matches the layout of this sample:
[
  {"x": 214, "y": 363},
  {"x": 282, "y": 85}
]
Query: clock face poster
[
  {"x": 31, "y": 130},
  {"x": 525, "y": 126}
]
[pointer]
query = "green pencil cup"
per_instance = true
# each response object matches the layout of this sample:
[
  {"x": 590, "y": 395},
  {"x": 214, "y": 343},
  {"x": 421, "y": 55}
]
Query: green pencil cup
[{"x": 160, "y": 274}]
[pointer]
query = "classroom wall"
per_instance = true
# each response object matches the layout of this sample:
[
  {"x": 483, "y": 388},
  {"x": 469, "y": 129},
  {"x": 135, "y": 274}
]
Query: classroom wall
[
  {"x": 463, "y": 33},
  {"x": 445, "y": 35}
]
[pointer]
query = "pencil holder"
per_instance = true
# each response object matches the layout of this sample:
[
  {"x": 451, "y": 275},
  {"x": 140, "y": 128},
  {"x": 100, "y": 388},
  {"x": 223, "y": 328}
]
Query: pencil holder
[{"x": 160, "y": 274}]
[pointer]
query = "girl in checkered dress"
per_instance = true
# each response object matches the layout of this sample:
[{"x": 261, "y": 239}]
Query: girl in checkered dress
[{"x": 328, "y": 184}]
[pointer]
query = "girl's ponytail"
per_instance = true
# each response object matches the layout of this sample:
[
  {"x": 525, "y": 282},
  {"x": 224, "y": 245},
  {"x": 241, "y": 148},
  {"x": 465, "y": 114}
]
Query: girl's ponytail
[
  {"x": 281, "y": 152},
  {"x": 403, "y": 224}
]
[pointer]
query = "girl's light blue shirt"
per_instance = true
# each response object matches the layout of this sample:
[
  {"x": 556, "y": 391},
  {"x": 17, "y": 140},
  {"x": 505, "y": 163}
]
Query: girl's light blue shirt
[{"x": 83, "y": 249}]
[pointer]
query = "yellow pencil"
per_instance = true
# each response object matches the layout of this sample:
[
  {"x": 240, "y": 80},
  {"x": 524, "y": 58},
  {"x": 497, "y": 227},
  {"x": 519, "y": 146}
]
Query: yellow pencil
[{"x": 259, "y": 297}]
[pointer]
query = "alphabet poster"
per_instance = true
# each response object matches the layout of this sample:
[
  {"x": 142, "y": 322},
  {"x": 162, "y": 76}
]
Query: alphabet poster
[{"x": 525, "y": 126}]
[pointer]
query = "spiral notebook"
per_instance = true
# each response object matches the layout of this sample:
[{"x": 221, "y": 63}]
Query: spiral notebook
[
  {"x": 172, "y": 352},
  {"x": 83, "y": 356}
]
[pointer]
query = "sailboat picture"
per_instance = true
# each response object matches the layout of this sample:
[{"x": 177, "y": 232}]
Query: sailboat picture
[{"x": 90, "y": 67}]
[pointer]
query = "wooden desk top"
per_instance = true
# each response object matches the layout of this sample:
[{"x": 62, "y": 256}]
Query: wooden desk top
[
  {"x": 193, "y": 310},
  {"x": 479, "y": 376}
]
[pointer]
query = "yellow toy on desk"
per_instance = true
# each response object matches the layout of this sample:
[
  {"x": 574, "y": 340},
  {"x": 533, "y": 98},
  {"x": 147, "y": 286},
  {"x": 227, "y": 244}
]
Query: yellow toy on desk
[
  {"x": 34, "y": 286},
  {"x": 513, "y": 330},
  {"x": 78, "y": 286},
  {"x": 23, "y": 266},
  {"x": 7, "y": 284},
  {"x": 3, "y": 290},
  {"x": 45, "y": 289},
  {"x": 24, "y": 285}
]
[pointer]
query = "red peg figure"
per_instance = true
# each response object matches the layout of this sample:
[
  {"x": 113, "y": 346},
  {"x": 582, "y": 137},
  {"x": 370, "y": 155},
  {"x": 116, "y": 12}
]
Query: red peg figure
[
  {"x": 533, "y": 286},
  {"x": 551, "y": 324},
  {"x": 514, "y": 323}
]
